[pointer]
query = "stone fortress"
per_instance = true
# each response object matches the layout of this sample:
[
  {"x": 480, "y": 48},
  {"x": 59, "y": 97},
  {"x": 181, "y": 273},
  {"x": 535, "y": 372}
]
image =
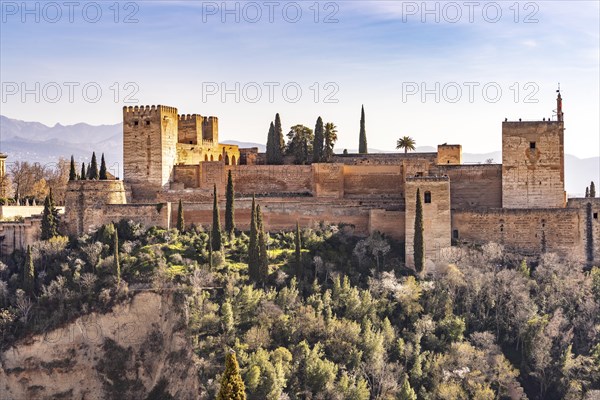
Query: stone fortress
[{"x": 520, "y": 203}]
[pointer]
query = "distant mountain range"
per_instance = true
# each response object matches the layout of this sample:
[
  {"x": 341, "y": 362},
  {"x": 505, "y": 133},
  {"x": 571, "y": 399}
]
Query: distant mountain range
[{"x": 36, "y": 142}]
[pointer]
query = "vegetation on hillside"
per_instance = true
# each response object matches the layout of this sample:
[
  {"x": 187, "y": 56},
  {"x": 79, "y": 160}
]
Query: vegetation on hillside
[{"x": 337, "y": 315}]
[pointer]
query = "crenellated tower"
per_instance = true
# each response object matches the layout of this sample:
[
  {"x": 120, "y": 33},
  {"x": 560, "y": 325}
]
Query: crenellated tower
[
  {"x": 533, "y": 162},
  {"x": 149, "y": 148}
]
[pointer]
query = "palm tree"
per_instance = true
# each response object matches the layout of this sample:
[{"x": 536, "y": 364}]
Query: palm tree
[
  {"x": 330, "y": 139},
  {"x": 407, "y": 143}
]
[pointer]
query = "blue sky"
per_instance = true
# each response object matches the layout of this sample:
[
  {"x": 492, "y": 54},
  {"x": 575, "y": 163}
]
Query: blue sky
[{"x": 378, "y": 53}]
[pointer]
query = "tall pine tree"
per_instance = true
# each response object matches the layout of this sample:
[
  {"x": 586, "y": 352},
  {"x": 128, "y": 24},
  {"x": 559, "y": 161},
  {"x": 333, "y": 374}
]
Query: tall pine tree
[
  {"x": 253, "y": 244},
  {"x": 232, "y": 384},
  {"x": 592, "y": 189},
  {"x": 216, "y": 226},
  {"x": 271, "y": 148},
  {"x": 180, "y": 220},
  {"x": 72, "y": 172},
  {"x": 28, "y": 273},
  {"x": 318, "y": 141},
  {"x": 279, "y": 141},
  {"x": 116, "y": 259},
  {"x": 587, "y": 191},
  {"x": 298, "y": 252},
  {"x": 102, "y": 175},
  {"x": 362, "y": 140},
  {"x": 83, "y": 172},
  {"x": 229, "y": 207},
  {"x": 93, "y": 175},
  {"x": 419, "y": 244}
]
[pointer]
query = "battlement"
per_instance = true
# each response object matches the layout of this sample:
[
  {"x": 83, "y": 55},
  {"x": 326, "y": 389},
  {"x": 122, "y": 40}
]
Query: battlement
[
  {"x": 521, "y": 122},
  {"x": 148, "y": 109},
  {"x": 190, "y": 117}
]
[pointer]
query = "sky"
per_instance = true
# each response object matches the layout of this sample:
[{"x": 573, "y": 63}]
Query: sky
[{"x": 440, "y": 72}]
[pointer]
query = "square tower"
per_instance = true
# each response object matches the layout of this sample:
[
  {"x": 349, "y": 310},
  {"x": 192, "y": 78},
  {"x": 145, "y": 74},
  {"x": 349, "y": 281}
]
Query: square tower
[
  {"x": 533, "y": 164},
  {"x": 149, "y": 147},
  {"x": 190, "y": 129},
  {"x": 210, "y": 129},
  {"x": 435, "y": 200}
]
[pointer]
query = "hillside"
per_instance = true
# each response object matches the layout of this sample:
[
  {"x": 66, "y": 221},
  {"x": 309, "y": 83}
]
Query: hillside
[{"x": 333, "y": 316}]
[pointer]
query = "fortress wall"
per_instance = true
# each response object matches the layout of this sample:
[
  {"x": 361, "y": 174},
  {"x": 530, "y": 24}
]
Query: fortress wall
[
  {"x": 264, "y": 179},
  {"x": 391, "y": 223},
  {"x": 146, "y": 214},
  {"x": 373, "y": 180},
  {"x": 473, "y": 186},
  {"x": 188, "y": 175},
  {"x": 328, "y": 180},
  {"x": 522, "y": 230},
  {"x": 18, "y": 235},
  {"x": 589, "y": 214},
  {"x": 279, "y": 214}
]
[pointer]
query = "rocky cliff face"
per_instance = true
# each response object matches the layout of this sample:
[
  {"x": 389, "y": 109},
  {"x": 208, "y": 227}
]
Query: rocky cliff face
[{"x": 137, "y": 351}]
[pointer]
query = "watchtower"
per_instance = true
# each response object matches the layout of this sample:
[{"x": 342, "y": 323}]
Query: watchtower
[
  {"x": 533, "y": 162},
  {"x": 149, "y": 147}
]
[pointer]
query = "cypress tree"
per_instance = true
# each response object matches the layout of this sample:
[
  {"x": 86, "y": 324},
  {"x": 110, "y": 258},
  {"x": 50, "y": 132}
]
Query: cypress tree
[
  {"x": 72, "y": 172},
  {"x": 49, "y": 219},
  {"x": 253, "y": 244},
  {"x": 216, "y": 226},
  {"x": 93, "y": 168},
  {"x": 102, "y": 175},
  {"x": 28, "y": 273},
  {"x": 116, "y": 260},
  {"x": 362, "y": 141},
  {"x": 83, "y": 174},
  {"x": 210, "y": 252},
  {"x": 587, "y": 192},
  {"x": 419, "y": 245},
  {"x": 229, "y": 207},
  {"x": 180, "y": 220},
  {"x": 88, "y": 172},
  {"x": 592, "y": 189},
  {"x": 271, "y": 150},
  {"x": 263, "y": 258},
  {"x": 279, "y": 141},
  {"x": 298, "y": 251},
  {"x": 318, "y": 141},
  {"x": 232, "y": 384}
]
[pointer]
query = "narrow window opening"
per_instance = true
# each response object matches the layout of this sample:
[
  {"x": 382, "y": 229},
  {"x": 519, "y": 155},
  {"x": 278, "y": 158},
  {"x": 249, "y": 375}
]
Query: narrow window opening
[
  {"x": 427, "y": 197},
  {"x": 455, "y": 234},
  {"x": 191, "y": 142},
  {"x": 147, "y": 122},
  {"x": 532, "y": 145},
  {"x": 595, "y": 215},
  {"x": 136, "y": 123}
]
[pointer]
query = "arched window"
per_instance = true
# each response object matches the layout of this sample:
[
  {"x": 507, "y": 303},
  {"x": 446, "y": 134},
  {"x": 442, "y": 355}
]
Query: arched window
[
  {"x": 212, "y": 158},
  {"x": 226, "y": 159},
  {"x": 206, "y": 157},
  {"x": 427, "y": 197},
  {"x": 220, "y": 157},
  {"x": 233, "y": 160}
]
